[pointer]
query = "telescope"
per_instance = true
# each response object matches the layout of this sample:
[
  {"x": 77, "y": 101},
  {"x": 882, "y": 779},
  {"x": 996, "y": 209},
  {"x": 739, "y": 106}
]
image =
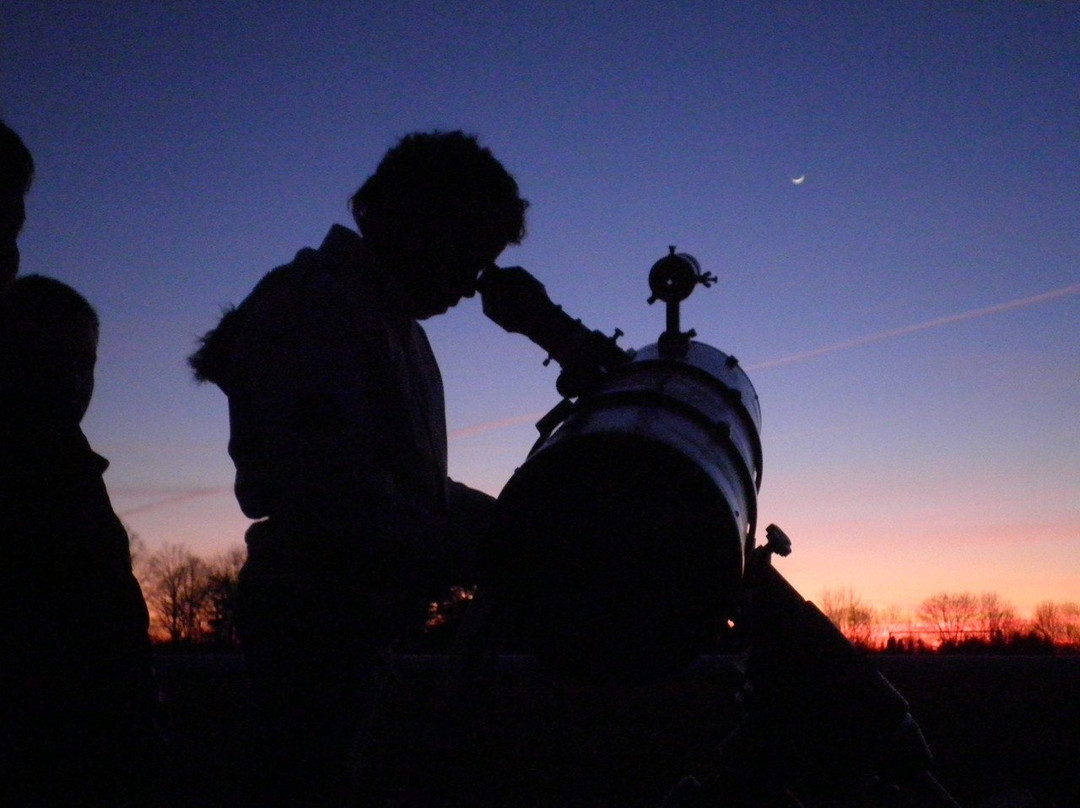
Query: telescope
[
  {"x": 620, "y": 544},
  {"x": 626, "y": 543}
]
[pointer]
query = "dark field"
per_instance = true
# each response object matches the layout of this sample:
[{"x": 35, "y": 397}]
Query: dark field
[{"x": 1005, "y": 731}]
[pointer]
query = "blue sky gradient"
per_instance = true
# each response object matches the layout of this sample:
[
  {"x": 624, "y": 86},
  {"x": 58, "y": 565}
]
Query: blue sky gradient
[{"x": 184, "y": 149}]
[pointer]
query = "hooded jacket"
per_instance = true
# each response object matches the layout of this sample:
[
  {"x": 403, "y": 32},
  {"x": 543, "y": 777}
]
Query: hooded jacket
[{"x": 335, "y": 401}]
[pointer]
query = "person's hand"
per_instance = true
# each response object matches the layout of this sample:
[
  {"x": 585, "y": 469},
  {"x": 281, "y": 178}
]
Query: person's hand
[{"x": 511, "y": 297}]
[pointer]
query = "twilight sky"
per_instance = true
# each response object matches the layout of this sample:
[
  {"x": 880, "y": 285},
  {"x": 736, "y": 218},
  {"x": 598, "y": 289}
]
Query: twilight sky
[{"x": 908, "y": 313}]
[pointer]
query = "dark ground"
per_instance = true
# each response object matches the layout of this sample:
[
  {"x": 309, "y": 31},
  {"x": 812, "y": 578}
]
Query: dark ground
[{"x": 1005, "y": 732}]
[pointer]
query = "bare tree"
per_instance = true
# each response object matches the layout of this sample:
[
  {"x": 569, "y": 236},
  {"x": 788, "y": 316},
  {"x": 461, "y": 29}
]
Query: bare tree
[
  {"x": 855, "y": 618},
  {"x": 177, "y": 593},
  {"x": 222, "y": 579},
  {"x": 950, "y": 614},
  {"x": 1058, "y": 622},
  {"x": 896, "y": 619},
  {"x": 996, "y": 617}
]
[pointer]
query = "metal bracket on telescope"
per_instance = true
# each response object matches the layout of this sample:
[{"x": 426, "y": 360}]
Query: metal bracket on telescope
[{"x": 672, "y": 279}]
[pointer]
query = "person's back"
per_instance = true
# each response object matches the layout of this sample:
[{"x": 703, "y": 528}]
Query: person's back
[{"x": 76, "y": 683}]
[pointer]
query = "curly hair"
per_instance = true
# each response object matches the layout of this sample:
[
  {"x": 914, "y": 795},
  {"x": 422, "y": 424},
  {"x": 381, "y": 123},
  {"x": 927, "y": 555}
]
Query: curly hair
[{"x": 443, "y": 185}]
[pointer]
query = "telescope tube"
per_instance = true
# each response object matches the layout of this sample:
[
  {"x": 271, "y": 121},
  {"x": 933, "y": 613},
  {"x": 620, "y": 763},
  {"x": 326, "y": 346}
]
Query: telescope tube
[{"x": 619, "y": 545}]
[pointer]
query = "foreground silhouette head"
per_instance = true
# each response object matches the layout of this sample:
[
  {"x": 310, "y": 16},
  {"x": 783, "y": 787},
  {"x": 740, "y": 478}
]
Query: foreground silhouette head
[
  {"x": 16, "y": 174},
  {"x": 48, "y": 348},
  {"x": 438, "y": 209}
]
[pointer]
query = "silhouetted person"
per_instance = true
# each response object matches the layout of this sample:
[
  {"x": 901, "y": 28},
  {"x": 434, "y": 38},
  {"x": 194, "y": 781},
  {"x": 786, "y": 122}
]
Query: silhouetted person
[
  {"x": 338, "y": 435},
  {"x": 16, "y": 174},
  {"x": 76, "y": 685}
]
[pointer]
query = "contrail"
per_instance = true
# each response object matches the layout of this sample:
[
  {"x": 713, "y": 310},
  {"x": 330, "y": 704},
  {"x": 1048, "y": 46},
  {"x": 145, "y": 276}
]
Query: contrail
[
  {"x": 839, "y": 346},
  {"x": 487, "y": 426},
  {"x": 198, "y": 493},
  {"x": 910, "y": 329},
  {"x": 165, "y": 500}
]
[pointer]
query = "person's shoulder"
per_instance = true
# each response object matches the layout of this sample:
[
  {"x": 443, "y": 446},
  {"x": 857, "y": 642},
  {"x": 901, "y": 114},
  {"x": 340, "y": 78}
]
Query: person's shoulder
[
  {"x": 343, "y": 244},
  {"x": 298, "y": 304},
  {"x": 311, "y": 270},
  {"x": 258, "y": 320}
]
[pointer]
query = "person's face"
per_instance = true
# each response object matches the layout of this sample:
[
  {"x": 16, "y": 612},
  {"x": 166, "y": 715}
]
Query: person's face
[
  {"x": 83, "y": 360},
  {"x": 438, "y": 279},
  {"x": 254, "y": 469},
  {"x": 12, "y": 215}
]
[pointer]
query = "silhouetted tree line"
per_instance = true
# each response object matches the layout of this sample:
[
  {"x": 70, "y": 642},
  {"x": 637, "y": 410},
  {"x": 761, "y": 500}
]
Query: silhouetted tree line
[
  {"x": 955, "y": 622},
  {"x": 192, "y": 606},
  {"x": 191, "y": 599}
]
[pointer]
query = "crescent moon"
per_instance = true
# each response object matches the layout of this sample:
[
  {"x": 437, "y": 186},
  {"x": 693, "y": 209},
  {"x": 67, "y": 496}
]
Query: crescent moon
[{"x": 799, "y": 180}]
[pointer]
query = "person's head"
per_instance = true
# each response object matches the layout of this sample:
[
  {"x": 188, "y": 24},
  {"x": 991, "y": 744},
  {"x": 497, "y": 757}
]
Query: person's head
[
  {"x": 16, "y": 174},
  {"x": 438, "y": 209},
  {"x": 48, "y": 348}
]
